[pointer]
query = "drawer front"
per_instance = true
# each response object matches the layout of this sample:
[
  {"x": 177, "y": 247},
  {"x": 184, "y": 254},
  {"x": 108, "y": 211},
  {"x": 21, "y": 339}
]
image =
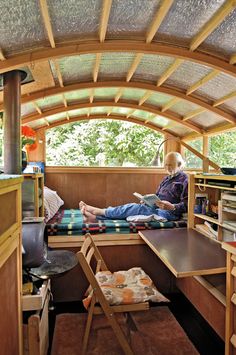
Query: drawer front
[
  {"x": 36, "y": 333},
  {"x": 8, "y": 214}
]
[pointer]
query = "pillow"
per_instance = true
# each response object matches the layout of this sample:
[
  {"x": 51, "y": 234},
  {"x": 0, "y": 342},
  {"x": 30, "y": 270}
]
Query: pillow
[
  {"x": 127, "y": 287},
  {"x": 52, "y": 203}
]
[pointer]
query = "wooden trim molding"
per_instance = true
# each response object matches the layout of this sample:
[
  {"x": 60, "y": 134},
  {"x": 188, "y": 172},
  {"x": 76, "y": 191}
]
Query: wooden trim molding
[
  {"x": 122, "y": 85},
  {"x": 86, "y": 47}
]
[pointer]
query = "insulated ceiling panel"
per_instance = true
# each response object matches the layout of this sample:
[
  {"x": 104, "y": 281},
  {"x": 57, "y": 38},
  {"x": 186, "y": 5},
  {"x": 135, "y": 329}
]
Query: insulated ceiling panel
[
  {"x": 160, "y": 120},
  {"x": 187, "y": 74},
  {"x": 230, "y": 105},
  {"x": 185, "y": 19},
  {"x": 158, "y": 99},
  {"x": 78, "y": 95},
  {"x": 143, "y": 115},
  {"x": 132, "y": 94},
  {"x": 129, "y": 17},
  {"x": 115, "y": 65},
  {"x": 75, "y": 68},
  {"x": 78, "y": 112},
  {"x": 105, "y": 93},
  {"x": 151, "y": 67},
  {"x": 73, "y": 18},
  {"x": 98, "y": 110},
  {"x": 37, "y": 124},
  {"x": 56, "y": 117},
  {"x": 218, "y": 87},
  {"x": 27, "y": 109},
  {"x": 183, "y": 107},
  {"x": 121, "y": 111},
  {"x": 50, "y": 102},
  {"x": 21, "y": 26},
  {"x": 207, "y": 119},
  {"x": 180, "y": 130},
  {"x": 222, "y": 40}
]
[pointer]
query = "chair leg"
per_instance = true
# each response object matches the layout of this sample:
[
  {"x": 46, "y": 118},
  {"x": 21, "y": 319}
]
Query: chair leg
[
  {"x": 88, "y": 326},
  {"x": 119, "y": 333}
]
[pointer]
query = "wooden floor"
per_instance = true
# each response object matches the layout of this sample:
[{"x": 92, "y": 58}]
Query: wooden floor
[{"x": 206, "y": 341}]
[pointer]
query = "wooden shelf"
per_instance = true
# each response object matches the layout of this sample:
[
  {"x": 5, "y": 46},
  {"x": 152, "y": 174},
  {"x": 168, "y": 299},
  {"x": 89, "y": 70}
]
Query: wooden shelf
[
  {"x": 207, "y": 218},
  {"x": 217, "y": 187}
]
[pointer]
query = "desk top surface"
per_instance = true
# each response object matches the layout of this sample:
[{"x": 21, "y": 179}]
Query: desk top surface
[{"x": 186, "y": 252}]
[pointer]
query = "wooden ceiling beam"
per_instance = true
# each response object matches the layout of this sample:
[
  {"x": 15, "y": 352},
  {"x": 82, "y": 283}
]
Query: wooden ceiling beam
[
  {"x": 131, "y": 113},
  {"x": 113, "y": 117},
  {"x": 2, "y": 57},
  {"x": 96, "y": 66},
  {"x": 159, "y": 17},
  {"x": 119, "y": 94},
  {"x": 223, "y": 99},
  {"x": 132, "y": 106},
  {"x": 169, "y": 71},
  {"x": 193, "y": 113},
  {"x": 145, "y": 97},
  {"x": 170, "y": 103},
  {"x": 202, "y": 81},
  {"x": 47, "y": 123},
  {"x": 68, "y": 49},
  {"x": 47, "y": 22},
  {"x": 213, "y": 23},
  {"x": 122, "y": 84},
  {"x": 106, "y": 8},
  {"x": 134, "y": 66},
  {"x": 233, "y": 59},
  {"x": 91, "y": 97},
  {"x": 67, "y": 116},
  {"x": 64, "y": 100},
  {"x": 38, "y": 109},
  {"x": 211, "y": 132},
  {"x": 58, "y": 71}
]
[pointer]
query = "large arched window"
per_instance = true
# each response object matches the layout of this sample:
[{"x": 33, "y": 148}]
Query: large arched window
[{"x": 102, "y": 143}]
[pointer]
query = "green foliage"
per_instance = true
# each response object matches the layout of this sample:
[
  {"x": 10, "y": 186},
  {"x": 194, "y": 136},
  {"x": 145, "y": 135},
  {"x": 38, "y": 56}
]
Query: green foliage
[
  {"x": 222, "y": 149},
  {"x": 192, "y": 161},
  {"x": 102, "y": 143}
]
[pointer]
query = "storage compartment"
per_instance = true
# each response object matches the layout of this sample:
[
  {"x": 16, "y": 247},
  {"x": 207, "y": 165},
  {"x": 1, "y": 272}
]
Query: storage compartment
[{"x": 35, "y": 327}]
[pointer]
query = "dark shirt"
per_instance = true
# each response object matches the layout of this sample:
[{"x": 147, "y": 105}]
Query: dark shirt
[{"x": 174, "y": 188}]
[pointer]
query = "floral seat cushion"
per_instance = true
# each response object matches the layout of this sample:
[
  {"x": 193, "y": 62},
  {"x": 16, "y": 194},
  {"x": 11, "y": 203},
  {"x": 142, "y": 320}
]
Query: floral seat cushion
[{"x": 127, "y": 287}]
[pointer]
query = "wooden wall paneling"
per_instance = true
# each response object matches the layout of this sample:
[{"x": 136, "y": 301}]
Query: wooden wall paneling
[
  {"x": 207, "y": 304},
  {"x": 101, "y": 189}
]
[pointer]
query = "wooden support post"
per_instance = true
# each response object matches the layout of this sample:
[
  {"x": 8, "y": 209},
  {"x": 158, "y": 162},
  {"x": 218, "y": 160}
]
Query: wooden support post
[{"x": 12, "y": 122}]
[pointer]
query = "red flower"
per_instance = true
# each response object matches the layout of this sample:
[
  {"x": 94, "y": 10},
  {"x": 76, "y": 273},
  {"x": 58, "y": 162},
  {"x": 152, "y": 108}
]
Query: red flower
[{"x": 28, "y": 131}]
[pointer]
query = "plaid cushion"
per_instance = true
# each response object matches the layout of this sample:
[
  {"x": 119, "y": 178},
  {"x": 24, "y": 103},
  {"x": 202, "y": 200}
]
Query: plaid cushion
[{"x": 70, "y": 222}]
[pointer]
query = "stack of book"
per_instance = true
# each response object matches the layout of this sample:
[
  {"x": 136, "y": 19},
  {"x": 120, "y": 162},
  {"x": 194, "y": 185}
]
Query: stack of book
[{"x": 210, "y": 229}]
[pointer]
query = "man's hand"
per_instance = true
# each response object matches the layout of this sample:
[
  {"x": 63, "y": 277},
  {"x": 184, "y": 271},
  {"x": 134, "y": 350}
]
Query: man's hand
[{"x": 165, "y": 205}]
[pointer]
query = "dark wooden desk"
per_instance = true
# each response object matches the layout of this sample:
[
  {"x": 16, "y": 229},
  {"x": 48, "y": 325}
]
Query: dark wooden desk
[{"x": 186, "y": 252}]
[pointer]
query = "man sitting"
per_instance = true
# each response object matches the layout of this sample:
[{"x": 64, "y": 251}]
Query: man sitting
[{"x": 172, "y": 191}]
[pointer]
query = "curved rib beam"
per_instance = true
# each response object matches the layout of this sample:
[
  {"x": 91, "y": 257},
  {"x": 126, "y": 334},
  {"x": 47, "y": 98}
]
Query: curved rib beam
[
  {"x": 123, "y": 84},
  {"x": 69, "y": 49},
  {"x": 170, "y": 115}
]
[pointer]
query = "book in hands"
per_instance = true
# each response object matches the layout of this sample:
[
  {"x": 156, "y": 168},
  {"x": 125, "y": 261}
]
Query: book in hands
[{"x": 149, "y": 199}]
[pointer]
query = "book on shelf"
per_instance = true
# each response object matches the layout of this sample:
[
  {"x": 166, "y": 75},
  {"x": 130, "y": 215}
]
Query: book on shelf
[
  {"x": 33, "y": 219},
  {"x": 229, "y": 196},
  {"x": 149, "y": 199},
  {"x": 202, "y": 228}
]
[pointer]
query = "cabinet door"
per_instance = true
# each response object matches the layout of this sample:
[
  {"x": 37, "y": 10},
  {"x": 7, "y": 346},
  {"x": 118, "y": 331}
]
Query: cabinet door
[{"x": 10, "y": 310}]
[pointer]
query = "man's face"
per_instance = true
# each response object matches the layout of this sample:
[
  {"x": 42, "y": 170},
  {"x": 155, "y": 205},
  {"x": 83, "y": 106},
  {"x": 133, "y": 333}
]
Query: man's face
[{"x": 171, "y": 165}]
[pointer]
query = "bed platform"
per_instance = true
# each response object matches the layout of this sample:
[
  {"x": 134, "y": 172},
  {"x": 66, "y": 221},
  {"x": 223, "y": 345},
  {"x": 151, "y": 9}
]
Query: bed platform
[{"x": 66, "y": 229}]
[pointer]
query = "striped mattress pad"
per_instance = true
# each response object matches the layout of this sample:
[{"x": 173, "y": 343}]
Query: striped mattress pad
[{"x": 70, "y": 222}]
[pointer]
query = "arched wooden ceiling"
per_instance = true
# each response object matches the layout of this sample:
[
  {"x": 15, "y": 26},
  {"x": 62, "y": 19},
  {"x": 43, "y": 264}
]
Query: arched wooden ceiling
[{"x": 183, "y": 50}]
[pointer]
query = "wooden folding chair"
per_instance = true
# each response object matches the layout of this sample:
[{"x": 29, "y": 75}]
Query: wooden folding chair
[{"x": 99, "y": 303}]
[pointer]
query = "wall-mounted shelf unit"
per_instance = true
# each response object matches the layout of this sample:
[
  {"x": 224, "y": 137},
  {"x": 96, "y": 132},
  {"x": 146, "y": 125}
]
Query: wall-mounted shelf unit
[{"x": 32, "y": 195}]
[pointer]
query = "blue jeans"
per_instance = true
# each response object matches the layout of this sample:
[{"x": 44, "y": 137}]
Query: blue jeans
[{"x": 133, "y": 209}]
